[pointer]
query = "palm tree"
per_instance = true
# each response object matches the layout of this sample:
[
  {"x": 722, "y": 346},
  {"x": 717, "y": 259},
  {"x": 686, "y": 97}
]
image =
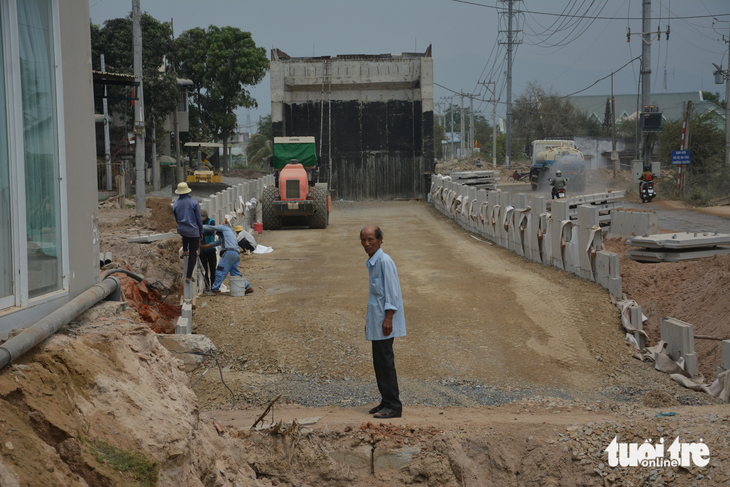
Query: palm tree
[{"x": 259, "y": 149}]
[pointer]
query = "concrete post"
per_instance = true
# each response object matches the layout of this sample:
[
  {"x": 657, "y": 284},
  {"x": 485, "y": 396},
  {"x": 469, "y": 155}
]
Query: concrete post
[
  {"x": 537, "y": 218},
  {"x": 505, "y": 201},
  {"x": 635, "y": 317},
  {"x": 492, "y": 215},
  {"x": 587, "y": 219},
  {"x": 680, "y": 342},
  {"x": 472, "y": 195},
  {"x": 480, "y": 210}
]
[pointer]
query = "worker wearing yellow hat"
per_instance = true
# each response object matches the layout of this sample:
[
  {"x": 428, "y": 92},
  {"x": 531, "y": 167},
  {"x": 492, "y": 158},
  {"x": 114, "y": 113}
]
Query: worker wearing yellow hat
[{"x": 245, "y": 239}]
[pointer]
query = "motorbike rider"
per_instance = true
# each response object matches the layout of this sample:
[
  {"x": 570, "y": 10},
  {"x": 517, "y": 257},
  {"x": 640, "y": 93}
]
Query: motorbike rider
[
  {"x": 557, "y": 183},
  {"x": 645, "y": 177}
]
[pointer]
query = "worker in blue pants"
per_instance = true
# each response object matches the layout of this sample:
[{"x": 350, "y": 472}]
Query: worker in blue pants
[{"x": 229, "y": 256}]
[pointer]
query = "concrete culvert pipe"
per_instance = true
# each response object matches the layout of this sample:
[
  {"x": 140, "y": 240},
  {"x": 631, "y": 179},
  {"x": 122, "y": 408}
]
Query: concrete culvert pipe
[
  {"x": 107, "y": 258},
  {"x": 32, "y": 336}
]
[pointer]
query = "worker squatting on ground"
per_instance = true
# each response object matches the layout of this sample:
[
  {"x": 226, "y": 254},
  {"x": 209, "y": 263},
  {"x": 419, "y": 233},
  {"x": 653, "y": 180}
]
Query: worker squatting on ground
[
  {"x": 557, "y": 183},
  {"x": 189, "y": 225},
  {"x": 208, "y": 257},
  {"x": 229, "y": 256},
  {"x": 384, "y": 321},
  {"x": 245, "y": 239}
]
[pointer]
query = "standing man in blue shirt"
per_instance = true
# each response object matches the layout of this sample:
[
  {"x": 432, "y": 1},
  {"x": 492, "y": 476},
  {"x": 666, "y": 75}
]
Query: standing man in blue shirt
[
  {"x": 189, "y": 225},
  {"x": 384, "y": 321}
]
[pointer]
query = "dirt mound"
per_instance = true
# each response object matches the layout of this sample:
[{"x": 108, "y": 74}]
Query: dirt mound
[
  {"x": 697, "y": 292},
  {"x": 147, "y": 301}
]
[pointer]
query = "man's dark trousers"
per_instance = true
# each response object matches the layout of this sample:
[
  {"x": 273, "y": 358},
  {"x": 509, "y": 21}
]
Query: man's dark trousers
[
  {"x": 384, "y": 364},
  {"x": 190, "y": 245},
  {"x": 209, "y": 261}
]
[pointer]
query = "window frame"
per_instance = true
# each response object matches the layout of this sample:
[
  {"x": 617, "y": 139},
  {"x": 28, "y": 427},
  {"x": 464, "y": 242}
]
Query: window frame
[{"x": 16, "y": 156}]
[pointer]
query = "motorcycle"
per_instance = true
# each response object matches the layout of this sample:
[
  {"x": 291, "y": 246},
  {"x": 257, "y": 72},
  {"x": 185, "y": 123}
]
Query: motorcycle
[
  {"x": 518, "y": 176},
  {"x": 560, "y": 193},
  {"x": 646, "y": 191}
]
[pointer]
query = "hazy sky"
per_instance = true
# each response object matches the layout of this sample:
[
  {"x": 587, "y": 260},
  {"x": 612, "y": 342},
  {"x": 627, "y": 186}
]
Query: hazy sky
[{"x": 463, "y": 36}]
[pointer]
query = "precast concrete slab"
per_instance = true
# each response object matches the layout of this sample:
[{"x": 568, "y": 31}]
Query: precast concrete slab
[
  {"x": 683, "y": 240},
  {"x": 647, "y": 255},
  {"x": 636, "y": 318},
  {"x": 725, "y": 361}
]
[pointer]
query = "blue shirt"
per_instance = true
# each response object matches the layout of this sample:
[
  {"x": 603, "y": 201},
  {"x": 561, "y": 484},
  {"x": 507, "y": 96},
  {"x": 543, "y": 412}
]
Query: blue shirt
[
  {"x": 187, "y": 215},
  {"x": 208, "y": 237},
  {"x": 384, "y": 295},
  {"x": 227, "y": 239}
]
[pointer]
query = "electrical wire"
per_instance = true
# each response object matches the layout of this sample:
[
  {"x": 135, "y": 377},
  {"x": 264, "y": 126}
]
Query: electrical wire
[
  {"x": 595, "y": 17},
  {"x": 601, "y": 79}
]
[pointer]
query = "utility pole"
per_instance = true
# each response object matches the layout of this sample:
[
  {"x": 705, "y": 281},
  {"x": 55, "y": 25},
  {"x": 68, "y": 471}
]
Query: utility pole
[
  {"x": 646, "y": 73},
  {"x": 494, "y": 118},
  {"x": 614, "y": 154},
  {"x": 471, "y": 125},
  {"x": 451, "y": 109},
  {"x": 511, "y": 41},
  {"x": 727, "y": 107},
  {"x": 461, "y": 126},
  {"x": 179, "y": 173},
  {"x": 138, "y": 109},
  {"x": 107, "y": 144}
]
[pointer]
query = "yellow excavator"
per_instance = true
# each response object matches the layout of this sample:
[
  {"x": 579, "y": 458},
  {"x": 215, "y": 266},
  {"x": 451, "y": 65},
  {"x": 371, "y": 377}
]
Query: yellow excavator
[{"x": 201, "y": 175}]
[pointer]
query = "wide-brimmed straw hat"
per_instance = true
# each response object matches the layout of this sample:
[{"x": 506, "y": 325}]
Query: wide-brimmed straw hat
[{"x": 182, "y": 188}]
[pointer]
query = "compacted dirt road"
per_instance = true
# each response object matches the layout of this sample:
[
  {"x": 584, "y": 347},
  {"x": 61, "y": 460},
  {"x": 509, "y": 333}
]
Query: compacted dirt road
[{"x": 484, "y": 326}]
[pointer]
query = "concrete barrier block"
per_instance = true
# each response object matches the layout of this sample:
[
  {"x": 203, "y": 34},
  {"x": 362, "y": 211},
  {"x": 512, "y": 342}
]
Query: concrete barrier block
[
  {"x": 679, "y": 336},
  {"x": 520, "y": 201},
  {"x": 691, "y": 363},
  {"x": 559, "y": 210},
  {"x": 725, "y": 354},
  {"x": 602, "y": 267},
  {"x": 636, "y": 319},
  {"x": 614, "y": 287},
  {"x": 633, "y": 223},
  {"x": 183, "y": 326},
  {"x": 187, "y": 311}
]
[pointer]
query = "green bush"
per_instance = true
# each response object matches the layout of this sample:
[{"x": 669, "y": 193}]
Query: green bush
[{"x": 144, "y": 470}]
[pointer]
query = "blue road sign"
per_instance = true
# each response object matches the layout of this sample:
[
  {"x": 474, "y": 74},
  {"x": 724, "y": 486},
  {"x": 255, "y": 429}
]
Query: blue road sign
[{"x": 680, "y": 157}]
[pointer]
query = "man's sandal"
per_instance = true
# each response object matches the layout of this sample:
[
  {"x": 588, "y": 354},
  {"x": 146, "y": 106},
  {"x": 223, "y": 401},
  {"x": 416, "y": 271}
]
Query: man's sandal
[{"x": 387, "y": 413}]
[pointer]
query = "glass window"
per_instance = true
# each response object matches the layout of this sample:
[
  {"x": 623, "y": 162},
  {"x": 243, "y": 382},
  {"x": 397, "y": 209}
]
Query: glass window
[
  {"x": 40, "y": 138},
  {"x": 6, "y": 247}
]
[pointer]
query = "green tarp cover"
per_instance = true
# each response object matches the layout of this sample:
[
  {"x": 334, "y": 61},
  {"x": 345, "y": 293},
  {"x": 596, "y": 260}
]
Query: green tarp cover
[{"x": 306, "y": 154}]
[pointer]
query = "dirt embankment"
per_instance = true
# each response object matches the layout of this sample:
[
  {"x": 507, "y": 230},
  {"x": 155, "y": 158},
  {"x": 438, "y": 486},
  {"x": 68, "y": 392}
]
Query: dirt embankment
[
  {"x": 697, "y": 292},
  {"x": 104, "y": 404}
]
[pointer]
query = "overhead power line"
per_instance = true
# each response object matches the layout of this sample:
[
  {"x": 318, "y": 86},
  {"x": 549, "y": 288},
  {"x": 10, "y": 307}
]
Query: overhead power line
[
  {"x": 592, "y": 17},
  {"x": 599, "y": 80}
]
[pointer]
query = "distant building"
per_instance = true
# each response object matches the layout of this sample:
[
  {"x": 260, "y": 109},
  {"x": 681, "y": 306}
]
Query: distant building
[
  {"x": 671, "y": 105},
  {"x": 372, "y": 115},
  {"x": 49, "y": 236}
]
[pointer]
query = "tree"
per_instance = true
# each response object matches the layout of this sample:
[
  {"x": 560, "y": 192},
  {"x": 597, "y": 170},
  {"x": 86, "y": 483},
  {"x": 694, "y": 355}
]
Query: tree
[
  {"x": 160, "y": 90},
  {"x": 221, "y": 62},
  {"x": 261, "y": 144},
  {"x": 607, "y": 115},
  {"x": 537, "y": 114}
]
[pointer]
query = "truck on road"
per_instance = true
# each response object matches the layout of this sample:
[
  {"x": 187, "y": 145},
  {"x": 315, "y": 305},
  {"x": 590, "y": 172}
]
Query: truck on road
[
  {"x": 296, "y": 198},
  {"x": 547, "y": 156}
]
